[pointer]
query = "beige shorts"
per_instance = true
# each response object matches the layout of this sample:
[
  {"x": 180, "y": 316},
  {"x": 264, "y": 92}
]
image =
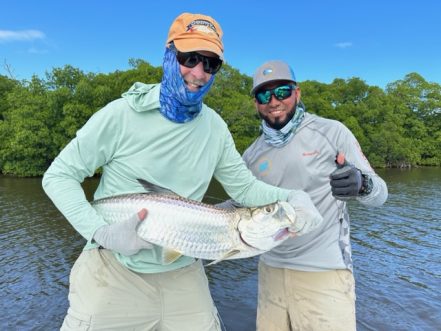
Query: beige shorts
[
  {"x": 104, "y": 295},
  {"x": 299, "y": 300}
]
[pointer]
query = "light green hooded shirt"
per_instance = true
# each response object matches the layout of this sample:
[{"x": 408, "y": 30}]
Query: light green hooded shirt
[{"x": 130, "y": 139}]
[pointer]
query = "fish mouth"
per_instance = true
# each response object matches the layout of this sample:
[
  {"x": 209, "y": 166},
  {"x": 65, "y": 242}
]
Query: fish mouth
[{"x": 281, "y": 234}]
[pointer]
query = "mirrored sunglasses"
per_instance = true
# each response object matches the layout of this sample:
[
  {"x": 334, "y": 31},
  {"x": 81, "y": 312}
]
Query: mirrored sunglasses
[
  {"x": 191, "y": 59},
  {"x": 282, "y": 92}
]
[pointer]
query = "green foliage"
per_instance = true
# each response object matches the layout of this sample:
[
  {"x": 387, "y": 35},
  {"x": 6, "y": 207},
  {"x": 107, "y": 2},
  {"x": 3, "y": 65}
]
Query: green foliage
[
  {"x": 24, "y": 134},
  {"x": 6, "y": 86},
  {"x": 399, "y": 127},
  {"x": 396, "y": 127},
  {"x": 231, "y": 99}
]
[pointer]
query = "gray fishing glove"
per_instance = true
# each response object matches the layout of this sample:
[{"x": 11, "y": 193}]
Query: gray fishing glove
[
  {"x": 346, "y": 182},
  {"x": 122, "y": 237},
  {"x": 308, "y": 217}
]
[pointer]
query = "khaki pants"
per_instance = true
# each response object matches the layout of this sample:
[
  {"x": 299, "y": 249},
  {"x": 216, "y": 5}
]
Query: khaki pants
[
  {"x": 104, "y": 295},
  {"x": 298, "y": 300}
]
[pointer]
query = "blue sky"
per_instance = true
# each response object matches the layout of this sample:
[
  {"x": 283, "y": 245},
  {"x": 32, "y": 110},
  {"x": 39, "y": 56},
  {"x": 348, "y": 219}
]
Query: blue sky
[{"x": 378, "y": 41}]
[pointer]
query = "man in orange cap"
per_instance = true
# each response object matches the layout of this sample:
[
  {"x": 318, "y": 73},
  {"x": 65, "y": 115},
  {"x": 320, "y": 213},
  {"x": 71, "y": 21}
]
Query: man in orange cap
[{"x": 164, "y": 134}]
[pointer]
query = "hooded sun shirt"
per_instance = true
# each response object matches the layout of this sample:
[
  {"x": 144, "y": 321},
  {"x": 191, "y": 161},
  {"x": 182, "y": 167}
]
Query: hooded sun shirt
[
  {"x": 129, "y": 139},
  {"x": 178, "y": 104}
]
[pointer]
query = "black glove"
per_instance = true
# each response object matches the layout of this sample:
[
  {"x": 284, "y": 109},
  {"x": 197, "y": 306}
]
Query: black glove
[{"x": 346, "y": 182}]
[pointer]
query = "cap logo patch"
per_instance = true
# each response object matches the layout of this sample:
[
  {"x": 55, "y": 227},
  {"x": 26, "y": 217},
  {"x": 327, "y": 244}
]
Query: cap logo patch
[
  {"x": 267, "y": 71},
  {"x": 202, "y": 26}
]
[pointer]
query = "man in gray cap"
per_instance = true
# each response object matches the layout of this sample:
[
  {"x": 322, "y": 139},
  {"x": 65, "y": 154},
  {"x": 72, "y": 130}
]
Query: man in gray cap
[{"x": 307, "y": 283}]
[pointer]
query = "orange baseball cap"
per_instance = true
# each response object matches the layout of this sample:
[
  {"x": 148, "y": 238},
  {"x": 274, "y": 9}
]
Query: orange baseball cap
[{"x": 196, "y": 32}]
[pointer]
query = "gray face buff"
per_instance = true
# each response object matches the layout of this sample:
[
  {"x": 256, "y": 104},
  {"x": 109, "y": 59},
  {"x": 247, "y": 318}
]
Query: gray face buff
[{"x": 279, "y": 138}]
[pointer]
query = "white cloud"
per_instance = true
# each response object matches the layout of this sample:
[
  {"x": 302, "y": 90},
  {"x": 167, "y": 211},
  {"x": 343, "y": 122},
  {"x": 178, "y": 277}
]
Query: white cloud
[
  {"x": 23, "y": 35},
  {"x": 344, "y": 44}
]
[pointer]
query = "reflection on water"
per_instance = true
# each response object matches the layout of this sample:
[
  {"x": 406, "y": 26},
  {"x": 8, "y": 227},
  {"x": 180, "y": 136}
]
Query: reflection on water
[
  {"x": 397, "y": 255},
  {"x": 37, "y": 250},
  {"x": 397, "y": 251}
]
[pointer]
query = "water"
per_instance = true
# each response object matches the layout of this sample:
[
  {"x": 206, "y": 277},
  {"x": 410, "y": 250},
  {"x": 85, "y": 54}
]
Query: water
[{"x": 396, "y": 249}]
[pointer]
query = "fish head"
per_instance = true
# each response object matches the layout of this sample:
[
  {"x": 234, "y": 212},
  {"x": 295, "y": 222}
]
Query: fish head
[{"x": 267, "y": 227}]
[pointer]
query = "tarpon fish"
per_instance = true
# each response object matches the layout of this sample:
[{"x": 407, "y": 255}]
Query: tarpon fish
[{"x": 187, "y": 227}]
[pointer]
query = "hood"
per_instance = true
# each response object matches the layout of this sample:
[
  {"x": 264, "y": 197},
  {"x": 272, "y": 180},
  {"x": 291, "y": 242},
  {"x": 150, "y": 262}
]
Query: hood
[
  {"x": 309, "y": 118},
  {"x": 143, "y": 97}
]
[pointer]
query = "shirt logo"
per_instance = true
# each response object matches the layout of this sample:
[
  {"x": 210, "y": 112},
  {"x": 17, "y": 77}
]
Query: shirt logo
[
  {"x": 316, "y": 152},
  {"x": 263, "y": 167}
]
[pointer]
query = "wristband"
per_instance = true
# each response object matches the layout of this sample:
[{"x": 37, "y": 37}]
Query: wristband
[{"x": 366, "y": 185}]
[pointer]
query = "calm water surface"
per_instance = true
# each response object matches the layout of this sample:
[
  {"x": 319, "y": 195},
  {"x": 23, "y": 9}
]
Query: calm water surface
[{"x": 396, "y": 248}]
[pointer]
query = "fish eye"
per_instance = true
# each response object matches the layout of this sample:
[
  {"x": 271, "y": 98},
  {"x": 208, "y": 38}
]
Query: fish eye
[{"x": 268, "y": 209}]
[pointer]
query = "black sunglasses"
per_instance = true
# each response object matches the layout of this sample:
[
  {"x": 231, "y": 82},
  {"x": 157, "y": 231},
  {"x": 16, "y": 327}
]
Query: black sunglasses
[
  {"x": 191, "y": 59},
  {"x": 282, "y": 92}
]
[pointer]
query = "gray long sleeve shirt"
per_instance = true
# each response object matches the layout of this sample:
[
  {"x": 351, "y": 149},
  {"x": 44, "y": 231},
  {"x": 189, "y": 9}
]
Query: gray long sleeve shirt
[{"x": 305, "y": 163}]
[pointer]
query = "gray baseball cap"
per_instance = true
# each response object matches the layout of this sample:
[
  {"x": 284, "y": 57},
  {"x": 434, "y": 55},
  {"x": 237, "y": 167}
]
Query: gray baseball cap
[{"x": 271, "y": 71}]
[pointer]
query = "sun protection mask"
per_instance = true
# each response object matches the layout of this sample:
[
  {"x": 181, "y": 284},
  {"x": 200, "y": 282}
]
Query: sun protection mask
[
  {"x": 178, "y": 104},
  {"x": 279, "y": 138},
  {"x": 191, "y": 59},
  {"x": 282, "y": 92}
]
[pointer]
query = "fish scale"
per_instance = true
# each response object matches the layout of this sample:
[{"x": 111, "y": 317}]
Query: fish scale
[
  {"x": 197, "y": 234},
  {"x": 186, "y": 226}
]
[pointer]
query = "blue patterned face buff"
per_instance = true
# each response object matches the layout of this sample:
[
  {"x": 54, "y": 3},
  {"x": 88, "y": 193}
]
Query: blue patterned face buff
[
  {"x": 178, "y": 104},
  {"x": 279, "y": 138}
]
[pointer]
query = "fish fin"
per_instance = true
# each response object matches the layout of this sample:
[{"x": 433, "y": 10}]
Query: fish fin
[
  {"x": 155, "y": 188},
  {"x": 170, "y": 255},
  {"x": 226, "y": 256}
]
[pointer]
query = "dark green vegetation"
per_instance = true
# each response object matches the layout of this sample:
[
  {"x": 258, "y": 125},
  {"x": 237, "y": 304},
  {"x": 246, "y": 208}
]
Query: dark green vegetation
[{"x": 396, "y": 127}]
